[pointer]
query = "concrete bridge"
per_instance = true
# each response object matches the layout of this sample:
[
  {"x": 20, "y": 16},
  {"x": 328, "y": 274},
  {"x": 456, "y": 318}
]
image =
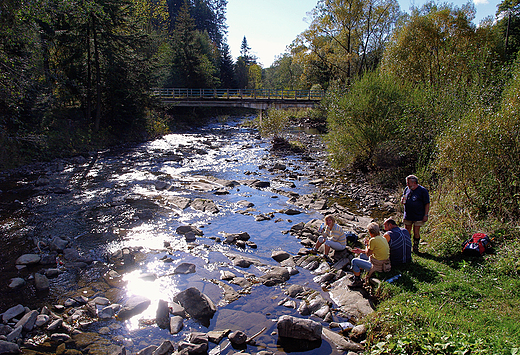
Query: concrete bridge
[{"x": 257, "y": 99}]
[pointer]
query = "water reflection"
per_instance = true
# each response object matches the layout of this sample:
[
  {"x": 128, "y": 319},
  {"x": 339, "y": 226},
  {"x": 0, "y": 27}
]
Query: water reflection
[{"x": 125, "y": 200}]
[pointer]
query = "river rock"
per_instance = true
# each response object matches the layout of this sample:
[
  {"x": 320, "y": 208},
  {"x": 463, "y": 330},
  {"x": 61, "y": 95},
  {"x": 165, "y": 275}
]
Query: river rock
[
  {"x": 204, "y": 205},
  {"x": 226, "y": 275},
  {"x": 109, "y": 311},
  {"x": 114, "y": 279},
  {"x": 5, "y": 329},
  {"x": 196, "y": 304},
  {"x": 358, "y": 333},
  {"x": 242, "y": 262},
  {"x": 245, "y": 204},
  {"x": 28, "y": 259},
  {"x": 55, "y": 324},
  {"x": 41, "y": 320},
  {"x": 295, "y": 290},
  {"x": 280, "y": 255},
  {"x": 291, "y": 212},
  {"x": 134, "y": 305},
  {"x": 230, "y": 294},
  {"x": 166, "y": 348},
  {"x": 198, "y": 344},
  {"x": 275, "y": 276},
  {"x": 41, "y": 282},
  {"x": 52, "y": 273},
  {"x": 351, "y": 302},
  {"x": 298, "y": 328},
  {"x": 6, "y": 347},
  {"x": 241, "y": 281},
  {"x": 17, "y": 283},
  {"x": 177, "y": 310},
  {"x": 340, "y": 341},
  {"x": 190, "y": 237},
  {"x": 237, "y": 337},
  {"x": 60, "y": 337},
  {"x": 176, "y": 324},
  {"x": 58, "y": 244},
  {"x": 183, "y": 230},
  {"x": 179, "y": 201},
  {"x": 149, "y": 350},
  {"x": 184, "y": 268},
  {"x": 216, "y": 336},
  {"x": 15, "y": 334},
  {"x": 162, "y": 315}
]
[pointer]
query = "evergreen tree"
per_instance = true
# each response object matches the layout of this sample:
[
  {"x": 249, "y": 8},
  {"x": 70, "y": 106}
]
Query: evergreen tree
[
  {"x": 194, "y": 55},
  {"x": 508, "y": 14}
]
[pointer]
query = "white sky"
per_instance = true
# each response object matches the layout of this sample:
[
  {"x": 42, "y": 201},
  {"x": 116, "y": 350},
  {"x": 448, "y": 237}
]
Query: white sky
[{"x": 271, "y": 25}]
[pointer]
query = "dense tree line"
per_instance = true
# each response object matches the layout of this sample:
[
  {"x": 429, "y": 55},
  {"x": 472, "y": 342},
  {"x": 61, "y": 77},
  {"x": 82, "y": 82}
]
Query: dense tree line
[
  {"x": 427, "y": 92},
  {"x": 79, "y": 72}
]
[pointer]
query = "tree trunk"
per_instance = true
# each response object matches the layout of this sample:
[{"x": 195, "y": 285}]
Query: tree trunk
[
  {"x": 98, "y": 77},
  {"x": 89, "y": 77}
]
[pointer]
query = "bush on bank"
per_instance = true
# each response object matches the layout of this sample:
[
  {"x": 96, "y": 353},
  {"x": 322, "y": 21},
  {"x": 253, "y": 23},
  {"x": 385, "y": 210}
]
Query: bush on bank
[{"x": 463, "y": 141}]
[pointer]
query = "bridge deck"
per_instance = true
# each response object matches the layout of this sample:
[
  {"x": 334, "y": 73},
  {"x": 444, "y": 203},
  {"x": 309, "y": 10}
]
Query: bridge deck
[{"x": 259, "y": 99}]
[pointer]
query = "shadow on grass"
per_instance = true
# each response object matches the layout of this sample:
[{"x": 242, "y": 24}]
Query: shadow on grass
[
  {"x": 459, "y": 260},
  {"x": 410, "y": 274}
]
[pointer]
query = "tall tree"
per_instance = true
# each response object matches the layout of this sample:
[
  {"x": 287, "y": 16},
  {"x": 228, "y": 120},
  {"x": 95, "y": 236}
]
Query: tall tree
[
  {"x": 508, "y": 14},
  {"x": 244, "y": 62},
  {"x": 438, "y": 45},
  {"x": 349, "y": 35},
  {"x": 195, "y": 57}
]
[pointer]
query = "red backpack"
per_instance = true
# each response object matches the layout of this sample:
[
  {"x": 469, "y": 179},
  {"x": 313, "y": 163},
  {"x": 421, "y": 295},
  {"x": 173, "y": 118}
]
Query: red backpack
[{"x": 476, "y": 245}]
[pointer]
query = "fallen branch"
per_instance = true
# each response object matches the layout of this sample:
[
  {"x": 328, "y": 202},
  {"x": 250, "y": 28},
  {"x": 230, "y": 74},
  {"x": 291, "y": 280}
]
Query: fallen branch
[{"x": 254, "y": 336}]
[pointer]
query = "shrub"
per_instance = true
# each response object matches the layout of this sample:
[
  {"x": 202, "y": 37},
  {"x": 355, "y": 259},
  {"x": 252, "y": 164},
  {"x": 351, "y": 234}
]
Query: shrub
[{"x": 479, "y": 158}]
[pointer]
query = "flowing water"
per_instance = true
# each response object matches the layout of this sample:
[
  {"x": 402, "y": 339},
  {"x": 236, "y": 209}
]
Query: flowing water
[{"x": 122, "y": 198}]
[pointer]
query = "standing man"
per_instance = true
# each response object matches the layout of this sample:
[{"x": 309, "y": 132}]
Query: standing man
[
  {"x": 416, "y": 200},
  {"x": 399, "y": 241}
]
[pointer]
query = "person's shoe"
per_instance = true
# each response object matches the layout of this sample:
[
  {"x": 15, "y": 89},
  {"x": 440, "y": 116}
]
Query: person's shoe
[
  {"x": 415, "y": 247},
  {"x": 328, "y": 259}
]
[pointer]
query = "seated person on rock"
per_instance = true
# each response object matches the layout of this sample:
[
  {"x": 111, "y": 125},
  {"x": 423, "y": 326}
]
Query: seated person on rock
[
  {"x": 332, "y": 235},
  {"x": 375, "y": 257},
  {"x": 399, "y": 241}
]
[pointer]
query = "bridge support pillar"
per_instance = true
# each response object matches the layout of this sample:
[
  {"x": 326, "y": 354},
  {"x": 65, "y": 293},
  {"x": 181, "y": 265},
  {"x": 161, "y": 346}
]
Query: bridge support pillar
[{"x": 261, "y": 114}]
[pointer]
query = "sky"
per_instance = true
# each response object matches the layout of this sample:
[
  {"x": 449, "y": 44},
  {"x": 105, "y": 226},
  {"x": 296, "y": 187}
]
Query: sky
[{"x": 271, "y": 25}]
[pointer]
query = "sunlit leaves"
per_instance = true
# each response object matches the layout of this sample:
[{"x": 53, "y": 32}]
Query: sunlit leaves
[
  {"x": 437, "y": 44},
  {"x": 347, "y": 36}
]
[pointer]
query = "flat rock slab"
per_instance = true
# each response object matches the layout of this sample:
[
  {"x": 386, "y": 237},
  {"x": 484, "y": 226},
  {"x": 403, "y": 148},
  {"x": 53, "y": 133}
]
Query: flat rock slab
[
  {"x": 28, "y": 259},
  {"x": 352, "y": 302}
]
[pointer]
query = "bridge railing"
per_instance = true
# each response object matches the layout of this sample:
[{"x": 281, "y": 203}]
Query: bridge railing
[{"x": 185, "y": 94}]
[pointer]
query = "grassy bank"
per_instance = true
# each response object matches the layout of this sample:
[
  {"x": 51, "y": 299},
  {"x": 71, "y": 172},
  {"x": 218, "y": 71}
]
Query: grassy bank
[{"x": 449, "y": 304}]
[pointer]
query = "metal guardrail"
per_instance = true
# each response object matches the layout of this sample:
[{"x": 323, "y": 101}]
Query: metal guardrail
[{"x": 236, "y": 94}]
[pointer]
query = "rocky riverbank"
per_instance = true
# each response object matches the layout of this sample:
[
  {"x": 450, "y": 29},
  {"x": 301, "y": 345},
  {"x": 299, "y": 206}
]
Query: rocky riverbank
[{"x": 90, "y": 316}]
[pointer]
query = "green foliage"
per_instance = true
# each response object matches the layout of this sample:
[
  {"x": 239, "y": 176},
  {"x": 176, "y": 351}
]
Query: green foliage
[
  {"x": 365, "y": 123},
  {"x": 274, "y": 123},
  {"x": 480, "y": 158},
  {"x": 346, "y": 38},
  {"x": 468, "y": 308},
  {"x": 195, "y": 60}
]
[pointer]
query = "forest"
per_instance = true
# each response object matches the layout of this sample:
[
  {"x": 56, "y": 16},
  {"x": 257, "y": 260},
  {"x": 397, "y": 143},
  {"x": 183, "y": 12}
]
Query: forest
[{"x": 429, "y": 93}]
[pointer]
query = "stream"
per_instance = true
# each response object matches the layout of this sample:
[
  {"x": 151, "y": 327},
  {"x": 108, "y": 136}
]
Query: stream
[{"x": 128, "y": 198}]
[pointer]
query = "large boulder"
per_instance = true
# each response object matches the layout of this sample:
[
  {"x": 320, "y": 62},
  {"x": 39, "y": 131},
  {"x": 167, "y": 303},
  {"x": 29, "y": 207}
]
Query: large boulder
[
  {"x": 6, "y": 347},
  {"x": 28, "y": 259},
  {"x": 204, "y": 205},
  {"x": 13, "y": 312},
  {"x": 298, "y": 328},
  {"x": 196, "y": 304},
  {"x": 276, "y": 276},
  {"x": 133, "y": 306}
]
